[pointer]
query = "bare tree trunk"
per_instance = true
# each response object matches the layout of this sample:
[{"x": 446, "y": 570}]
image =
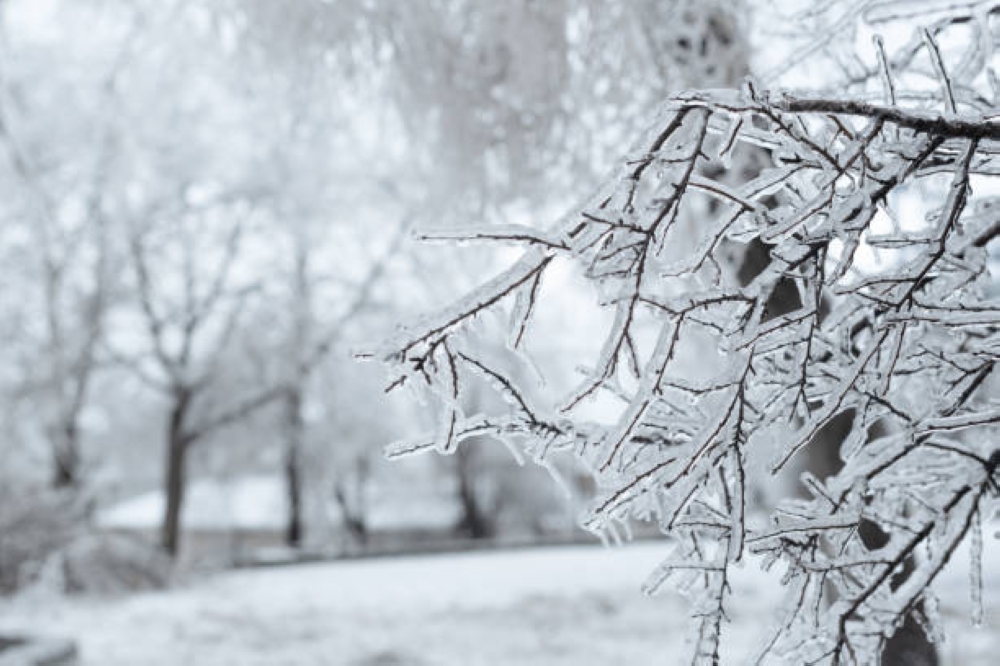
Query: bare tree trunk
[
  {"x": 477, "y": 521},
  {"x": 170, "y": 531},
  {"x": 354, "y": 508},
  {"x": 66, "y": 457},
  {"x": 294, "y": 427},
  {"x": 357, "y": 527},
  {"x": 177, "y": 444}
]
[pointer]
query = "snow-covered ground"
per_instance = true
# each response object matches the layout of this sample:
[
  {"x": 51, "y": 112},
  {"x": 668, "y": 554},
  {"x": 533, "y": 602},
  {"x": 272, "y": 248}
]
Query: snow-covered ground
[{"x": 575, "y": 606}]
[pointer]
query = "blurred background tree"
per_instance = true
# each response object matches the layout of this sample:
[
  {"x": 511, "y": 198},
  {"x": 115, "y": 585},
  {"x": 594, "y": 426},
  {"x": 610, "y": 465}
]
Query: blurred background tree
[{"x": 207, "y": 209}]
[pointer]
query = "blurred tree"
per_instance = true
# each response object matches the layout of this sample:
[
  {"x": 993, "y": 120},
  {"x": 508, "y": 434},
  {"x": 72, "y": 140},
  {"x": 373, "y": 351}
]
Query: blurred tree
[
  {"x": 227, "y": 163},
  {"x": 59, "y": 169}
]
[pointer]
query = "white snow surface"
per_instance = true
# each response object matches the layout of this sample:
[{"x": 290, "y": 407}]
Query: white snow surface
[{"x": 551, "y": 606}]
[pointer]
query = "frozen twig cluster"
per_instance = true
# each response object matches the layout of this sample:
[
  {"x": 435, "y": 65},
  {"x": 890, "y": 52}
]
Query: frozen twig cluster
[{"x": 893, "y": 321}]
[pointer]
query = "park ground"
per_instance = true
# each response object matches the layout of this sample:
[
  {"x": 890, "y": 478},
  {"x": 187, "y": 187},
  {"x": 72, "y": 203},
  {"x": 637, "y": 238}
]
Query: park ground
[{"x": 578, "y": 606}]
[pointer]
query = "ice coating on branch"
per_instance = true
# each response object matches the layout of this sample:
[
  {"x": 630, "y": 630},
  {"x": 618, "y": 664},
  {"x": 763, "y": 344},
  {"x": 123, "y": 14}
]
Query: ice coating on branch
[
  {"x": 858, "y": 337},
  {"x": 976, "y": 569}
]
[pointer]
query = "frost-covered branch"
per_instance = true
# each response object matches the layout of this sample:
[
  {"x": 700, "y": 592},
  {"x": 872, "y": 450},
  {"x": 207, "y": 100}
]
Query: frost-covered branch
[{"x": 861, "y": 312}]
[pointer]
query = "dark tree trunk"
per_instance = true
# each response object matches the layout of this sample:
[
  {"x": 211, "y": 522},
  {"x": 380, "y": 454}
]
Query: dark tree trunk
[
  {"x": 293, "y": 467},
  {"x": 910, "y": 646},
  {"x": 354, "y": 508},
  {"x": 177, "y": 444},
  {"x": 66, "y": 458},
  {"x": 170, "y": 532},
  {"x": 357, "y": 528},
  {"x": 477, "y": 521}
]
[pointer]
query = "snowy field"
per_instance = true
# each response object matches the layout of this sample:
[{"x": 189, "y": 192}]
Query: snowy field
[{"x": 576, "y": 606}]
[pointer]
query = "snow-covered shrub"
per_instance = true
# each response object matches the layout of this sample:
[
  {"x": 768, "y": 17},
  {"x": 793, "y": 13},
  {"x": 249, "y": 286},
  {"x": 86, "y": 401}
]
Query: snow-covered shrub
[
  {"x": 34, "y": 524},
  {"x": 112, "y": 563},
  {"x": 46, "y": 542}
]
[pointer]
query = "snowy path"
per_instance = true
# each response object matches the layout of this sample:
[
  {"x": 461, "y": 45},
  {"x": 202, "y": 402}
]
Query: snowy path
[{"x": 549, "y": 607}]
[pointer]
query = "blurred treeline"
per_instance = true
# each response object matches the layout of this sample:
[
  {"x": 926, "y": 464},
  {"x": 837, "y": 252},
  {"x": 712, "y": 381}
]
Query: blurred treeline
[{"x": 206, "y": 206}]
